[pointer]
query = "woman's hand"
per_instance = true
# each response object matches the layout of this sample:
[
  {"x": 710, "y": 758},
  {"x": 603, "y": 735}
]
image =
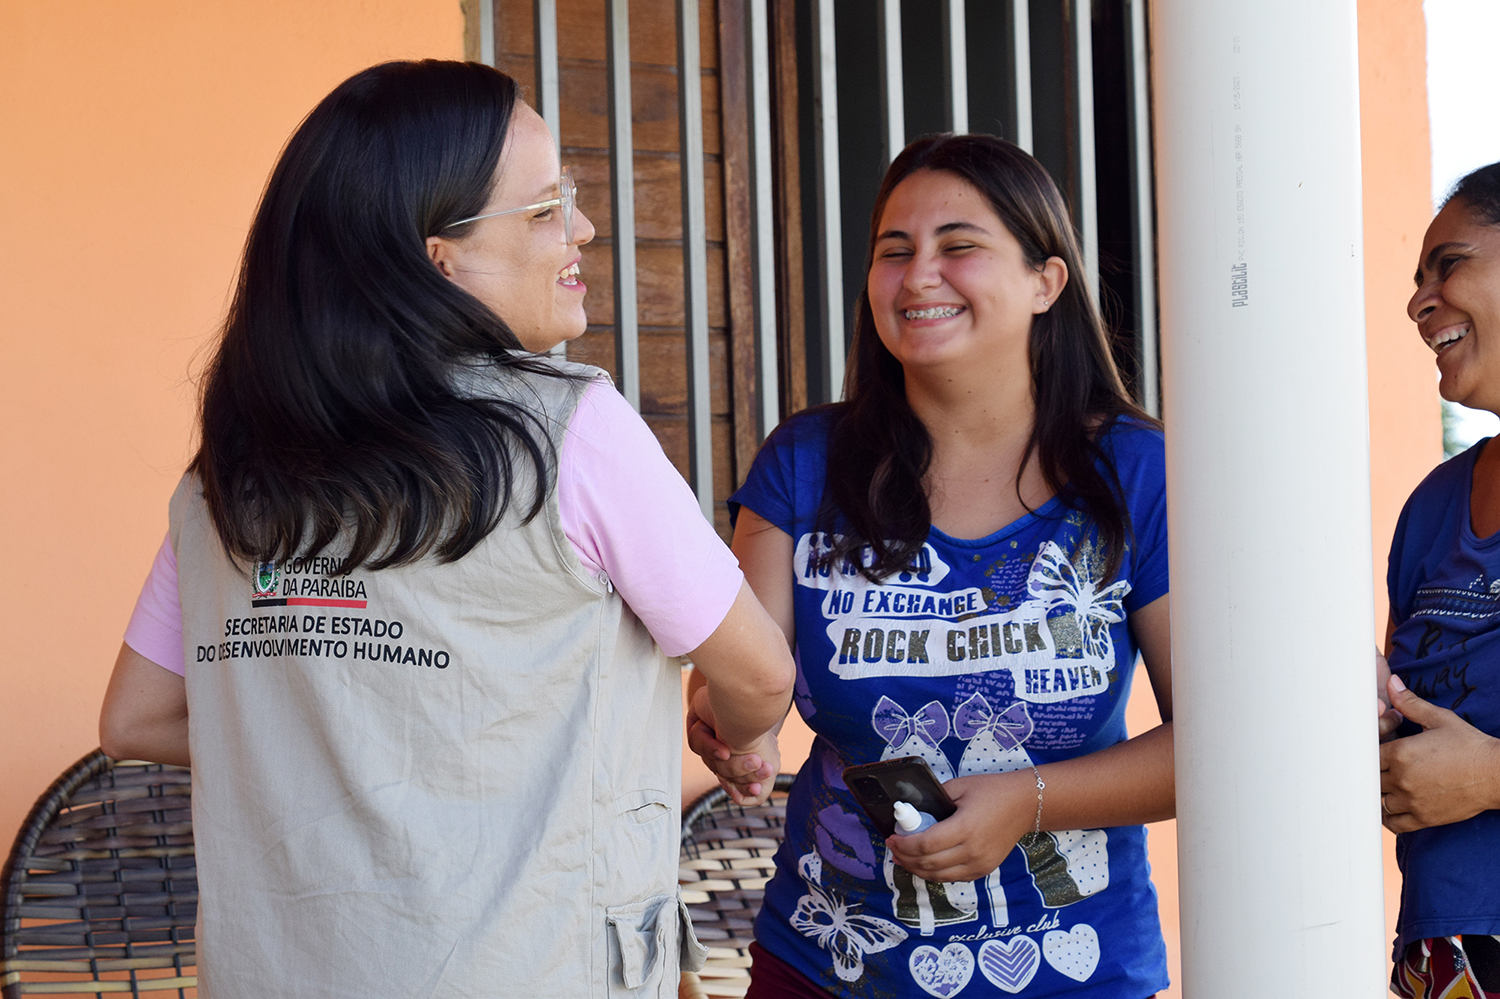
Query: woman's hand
[
  {"x": 1390, "y": 718},
  {"x": 994, "y": 812},
  {"x": 1448, "y": 772},
  {"x": 748, "y": 777}
]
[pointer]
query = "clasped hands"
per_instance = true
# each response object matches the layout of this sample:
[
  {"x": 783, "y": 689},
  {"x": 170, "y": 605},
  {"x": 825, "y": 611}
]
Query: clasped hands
[
  {"x": 1448, "y": 772},
  {"x": 749, "y": 776},
  {"x": 994, "y": 810}
]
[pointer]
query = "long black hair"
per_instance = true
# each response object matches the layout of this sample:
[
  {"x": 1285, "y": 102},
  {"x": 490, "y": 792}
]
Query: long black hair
[
  {"x": 334, "y": 399},
  {"x": 879, "y": 451}
]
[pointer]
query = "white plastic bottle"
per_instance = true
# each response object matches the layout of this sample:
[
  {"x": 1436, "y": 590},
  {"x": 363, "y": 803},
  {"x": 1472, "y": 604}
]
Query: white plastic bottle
[{"x": 909, "y": 820}]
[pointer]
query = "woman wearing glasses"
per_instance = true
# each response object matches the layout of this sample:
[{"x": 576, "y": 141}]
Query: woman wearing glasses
[{"x": 409, "y": 621}]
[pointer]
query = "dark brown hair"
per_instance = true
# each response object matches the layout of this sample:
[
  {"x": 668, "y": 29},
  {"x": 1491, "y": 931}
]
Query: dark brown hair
[{"x": 879, "y": 451}]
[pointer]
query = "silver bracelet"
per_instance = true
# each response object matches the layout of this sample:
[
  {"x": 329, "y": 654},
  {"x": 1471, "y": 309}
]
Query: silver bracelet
[{"x": 1040, "y": 787}]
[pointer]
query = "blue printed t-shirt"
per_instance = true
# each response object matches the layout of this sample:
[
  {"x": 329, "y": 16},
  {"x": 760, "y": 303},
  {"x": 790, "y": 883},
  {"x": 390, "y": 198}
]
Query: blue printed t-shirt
[
  {"x": 987, "y": 655},
  {"x": 1444, "y": 586}
]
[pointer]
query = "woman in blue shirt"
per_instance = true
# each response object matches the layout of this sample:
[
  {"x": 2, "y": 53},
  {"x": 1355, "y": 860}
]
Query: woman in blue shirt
[
  {"x": 1440, "y": 782},
  {"x": 966, "y": 555}
]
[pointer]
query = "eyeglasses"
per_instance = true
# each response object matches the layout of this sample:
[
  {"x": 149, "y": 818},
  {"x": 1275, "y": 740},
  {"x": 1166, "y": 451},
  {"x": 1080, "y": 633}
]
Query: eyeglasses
[{"x": 565, "y": 185}]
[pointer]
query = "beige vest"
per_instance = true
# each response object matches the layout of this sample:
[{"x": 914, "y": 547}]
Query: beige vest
[{"x": 438, "y": 780}]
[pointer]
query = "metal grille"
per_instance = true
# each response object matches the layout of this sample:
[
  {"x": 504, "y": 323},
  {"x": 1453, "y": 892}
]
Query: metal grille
[{"x": 1025, "y": 69}]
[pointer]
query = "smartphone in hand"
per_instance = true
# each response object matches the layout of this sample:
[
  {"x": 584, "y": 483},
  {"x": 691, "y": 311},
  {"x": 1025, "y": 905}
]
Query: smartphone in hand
[{"x": 878, "y": 786}]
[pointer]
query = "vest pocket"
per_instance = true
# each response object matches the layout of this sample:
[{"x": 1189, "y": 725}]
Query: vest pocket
[
  {"x": 639, "y": 940},
  {"x": 644, "y": 939}
]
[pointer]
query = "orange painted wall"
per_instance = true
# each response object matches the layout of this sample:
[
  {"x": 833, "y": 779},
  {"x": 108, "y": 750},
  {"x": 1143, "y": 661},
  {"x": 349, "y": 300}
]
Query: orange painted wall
[
  {"x": 136, "y": 138},
  {"x": 1405, "y": 418}
]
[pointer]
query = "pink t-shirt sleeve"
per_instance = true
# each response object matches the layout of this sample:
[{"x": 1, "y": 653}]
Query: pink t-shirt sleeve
[
  {"x": 629, "y": 514},
  {"x": 155, "y": 629},
  {"x": 625, "y": 510}
]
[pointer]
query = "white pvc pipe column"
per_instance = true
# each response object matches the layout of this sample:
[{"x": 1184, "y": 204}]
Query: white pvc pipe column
[{"x": 1258, "y": 200}]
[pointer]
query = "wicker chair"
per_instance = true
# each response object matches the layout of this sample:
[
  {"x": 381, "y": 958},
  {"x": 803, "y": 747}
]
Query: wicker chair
[
  {"x": 100, "y": 893},
  {"x": 724, "y": 864}
]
